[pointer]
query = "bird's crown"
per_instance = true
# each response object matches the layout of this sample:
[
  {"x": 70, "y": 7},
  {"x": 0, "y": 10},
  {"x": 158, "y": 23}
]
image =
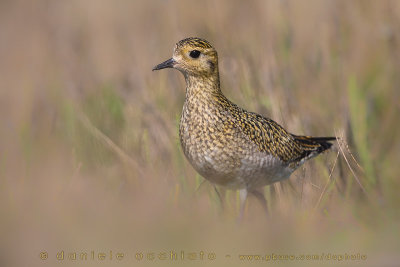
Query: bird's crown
[{"x": 193, "y": 42}]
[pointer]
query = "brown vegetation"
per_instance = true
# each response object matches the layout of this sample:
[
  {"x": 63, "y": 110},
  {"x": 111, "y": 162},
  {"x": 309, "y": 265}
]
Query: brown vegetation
[{"x": 89, "y": 150}]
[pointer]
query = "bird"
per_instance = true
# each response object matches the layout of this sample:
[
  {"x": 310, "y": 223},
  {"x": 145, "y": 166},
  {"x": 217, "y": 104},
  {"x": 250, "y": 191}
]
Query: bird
[{"x": 226, "y": 144}]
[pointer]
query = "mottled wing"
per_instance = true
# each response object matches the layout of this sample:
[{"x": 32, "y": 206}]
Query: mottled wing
[{"x": 272, "y": 138}]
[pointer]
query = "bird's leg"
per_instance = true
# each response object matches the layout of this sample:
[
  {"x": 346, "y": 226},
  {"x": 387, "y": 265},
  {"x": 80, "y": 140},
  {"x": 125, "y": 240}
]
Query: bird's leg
[
  {"x": 260, "y": 196},
  {"x": 220, "y": 197},
  {"x": 243, "y": 197},
  {"x": 200, "y": 185},
  {"x": 221, "y": 200}
]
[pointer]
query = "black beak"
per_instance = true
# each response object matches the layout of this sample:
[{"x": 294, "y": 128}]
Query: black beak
[{"x": 166, "y": 64}]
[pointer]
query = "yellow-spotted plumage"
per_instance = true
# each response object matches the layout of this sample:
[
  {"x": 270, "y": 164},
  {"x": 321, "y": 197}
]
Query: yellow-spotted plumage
[{"x": 226, "y": 144}]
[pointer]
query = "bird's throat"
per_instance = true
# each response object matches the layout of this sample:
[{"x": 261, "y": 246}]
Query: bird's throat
[{"x": 202, "y": 87}]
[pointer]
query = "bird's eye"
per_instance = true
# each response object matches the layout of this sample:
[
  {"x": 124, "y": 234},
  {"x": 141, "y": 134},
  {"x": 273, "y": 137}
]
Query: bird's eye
[{"x": 194, "y": 53}]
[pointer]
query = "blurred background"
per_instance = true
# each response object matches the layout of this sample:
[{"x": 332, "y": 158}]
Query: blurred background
[{"x": 90, "y": 158}]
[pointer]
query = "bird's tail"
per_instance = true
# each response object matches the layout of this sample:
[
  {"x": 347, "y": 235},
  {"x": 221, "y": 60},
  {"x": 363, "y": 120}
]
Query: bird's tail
[{"x": 314, "y": 145}]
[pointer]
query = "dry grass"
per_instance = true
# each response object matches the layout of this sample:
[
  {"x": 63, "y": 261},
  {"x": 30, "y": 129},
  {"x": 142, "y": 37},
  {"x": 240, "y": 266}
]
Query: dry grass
[{"x": 89, "y": 152}]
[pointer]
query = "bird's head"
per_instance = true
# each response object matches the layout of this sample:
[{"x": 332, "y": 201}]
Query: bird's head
[{"x": 193, "y": 57}]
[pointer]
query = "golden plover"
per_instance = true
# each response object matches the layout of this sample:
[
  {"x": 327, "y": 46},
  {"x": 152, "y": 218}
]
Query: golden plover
[{"x": 226, "y": 144}]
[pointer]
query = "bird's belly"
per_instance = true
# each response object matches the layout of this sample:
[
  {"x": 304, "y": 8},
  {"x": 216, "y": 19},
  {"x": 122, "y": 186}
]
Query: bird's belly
[
  {"x": 262, "y": 169},
  {"x": 215, "y": 164}
]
